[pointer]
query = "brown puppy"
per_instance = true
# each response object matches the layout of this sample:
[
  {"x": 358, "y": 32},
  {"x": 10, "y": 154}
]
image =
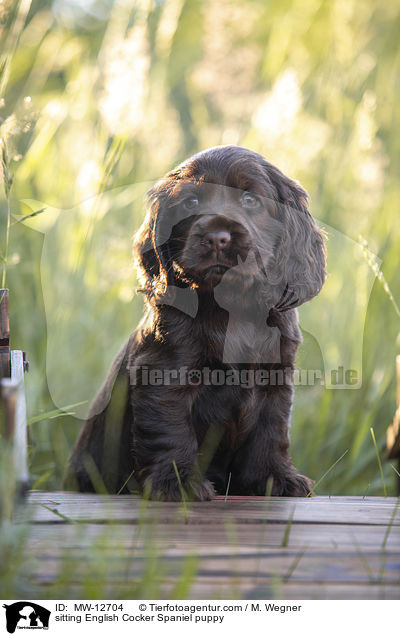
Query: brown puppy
[{"x": 204, "y": 386}]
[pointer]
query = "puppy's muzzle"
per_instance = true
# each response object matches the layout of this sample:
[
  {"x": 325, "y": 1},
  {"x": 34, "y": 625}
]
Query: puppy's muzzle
[{"x": 217, "y": 241}]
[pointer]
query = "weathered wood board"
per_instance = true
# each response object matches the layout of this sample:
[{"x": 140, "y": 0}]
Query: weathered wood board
[
  {"x": 131, "y": 509},
  {"x": 242, "y": 547}
]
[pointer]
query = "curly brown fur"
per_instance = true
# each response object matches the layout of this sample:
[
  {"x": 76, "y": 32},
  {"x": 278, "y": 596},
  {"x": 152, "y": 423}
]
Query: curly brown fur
[{"x": 227, "y": 252}]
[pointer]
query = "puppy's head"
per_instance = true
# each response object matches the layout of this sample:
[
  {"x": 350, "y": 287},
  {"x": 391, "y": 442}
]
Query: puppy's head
[{"x": 227, "y": 214}]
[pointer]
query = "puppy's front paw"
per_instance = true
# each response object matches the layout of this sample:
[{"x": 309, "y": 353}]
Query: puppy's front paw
[
  {"x": 168, "y": 489},
  {"x": 159, "y": 489},
  {"x": 200, "y": 490},
  {"x": 292, "y": 485}
]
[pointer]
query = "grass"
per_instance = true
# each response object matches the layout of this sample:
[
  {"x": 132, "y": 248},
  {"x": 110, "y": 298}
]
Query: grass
[
  {"x": 317, "y": 483},
  {"x": 285, "y": 538},
  {"x": 364, "y": 561},
  {"x": 227, "y": 487},
  {"x": 58, "y": 514},
  {"x": 7, "y": 183},
  {"x": 38, "y": 126},
  {"x": 181, "y": 491},
  {"x": 389, "y": 528},
  {"x": 379, "y": 274},
  {"x": 125, "y": 482},
  {"x": 339, "y": 143},
  {"x": 294, "y": 564},
  {"x": 379, "y": 462},
  {"x": 134, "y": 560}
]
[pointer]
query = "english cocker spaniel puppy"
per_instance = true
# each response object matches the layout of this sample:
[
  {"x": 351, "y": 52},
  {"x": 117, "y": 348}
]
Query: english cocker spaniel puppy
[{"x": 200, "y": 397}]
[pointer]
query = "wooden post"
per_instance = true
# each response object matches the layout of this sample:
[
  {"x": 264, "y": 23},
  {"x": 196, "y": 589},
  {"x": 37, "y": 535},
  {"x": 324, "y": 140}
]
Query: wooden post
[
  {"x": 13, "y": 434},
  {"x": 6, "y": 403},
  {"x": 393, "y": 432},
  {"x": 5, "y": 368},
  {"x": 15, "y": 388}
]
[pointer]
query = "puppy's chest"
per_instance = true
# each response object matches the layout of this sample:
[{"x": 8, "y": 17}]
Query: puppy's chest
[
  {"x": 238, "y": 342},
  {"x": 226, "y": 411}
]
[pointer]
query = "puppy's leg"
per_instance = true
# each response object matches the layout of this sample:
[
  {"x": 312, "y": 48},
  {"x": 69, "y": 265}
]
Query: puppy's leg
[
  {"x": 101, "y": 456},
  {"x": 265, "y": 454},
  {"x": 163, "y": 435}
]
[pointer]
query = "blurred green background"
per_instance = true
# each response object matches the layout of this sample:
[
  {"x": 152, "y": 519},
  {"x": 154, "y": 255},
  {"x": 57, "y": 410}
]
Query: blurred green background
[{"x": 100, "y": 98}]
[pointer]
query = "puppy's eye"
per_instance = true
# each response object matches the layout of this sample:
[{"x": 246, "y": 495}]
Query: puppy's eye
[
  {"x": 191, "y": 203},
  {"x": 249, "y": 200}
]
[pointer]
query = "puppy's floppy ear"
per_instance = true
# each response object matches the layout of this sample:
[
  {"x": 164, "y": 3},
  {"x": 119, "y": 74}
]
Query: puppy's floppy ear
[
  {"x": 153, "y": 255},
  {"x": 297, "y": 271}
]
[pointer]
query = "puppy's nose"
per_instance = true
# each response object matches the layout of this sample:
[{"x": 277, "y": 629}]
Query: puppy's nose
[{"x": 217, "y": 240}]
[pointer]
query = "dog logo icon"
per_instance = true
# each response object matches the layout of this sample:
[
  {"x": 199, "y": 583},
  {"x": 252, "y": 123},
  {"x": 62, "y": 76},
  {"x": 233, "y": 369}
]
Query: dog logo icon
[{"x": 26, "y": 615}]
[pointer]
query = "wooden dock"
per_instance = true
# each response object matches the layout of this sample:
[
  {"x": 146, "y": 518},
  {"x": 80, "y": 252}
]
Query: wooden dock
[{"x": 238, "y": 547}]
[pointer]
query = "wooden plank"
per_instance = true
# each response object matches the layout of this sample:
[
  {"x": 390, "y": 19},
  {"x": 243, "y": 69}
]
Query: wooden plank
[
  {"x": 228, "y": 590},
  {"x": 20, "y": 433},
  {"x": 131, "y": 509},
  {"x": 5, "y": 370},
  {"x": 195, "y": 538},
  {"x": 13, "y": 396},
  {"x": 298, "y": 591},
  {"x": 228, "y": 548},
  {"x": 8, "y": 403},
  {"x": 77, "y": 498},
  {"x": 263, "y": 567}
]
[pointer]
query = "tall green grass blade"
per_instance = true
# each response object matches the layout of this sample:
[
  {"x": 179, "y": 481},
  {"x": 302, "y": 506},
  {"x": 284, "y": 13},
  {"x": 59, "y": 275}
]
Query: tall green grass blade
[
  {"x": 379, "y": 461},
  {"x": 391, "y": 522},
  {"x": 54, "y": 413},
  {"x": 366, "y": 490},
  {"x": 294, "y": 564},
  {"x": 125, "y": 482},
  {"x": 267, "y": 500},
  {"x": 59, "y": 514},
  {"x": 395, "y": 470},
  {"x": 326, "y": 473},
  {"x": 378, "y": 273},
  {"x": 285, "y": 539},
  {"x": 227, "y": 487},
  {"x": 41, "y": 480},
  {"x": 364, "y": 561},
  {"x": 29, "y": 216},
  {"x": 181, "y": 589},
  {"x": 7, "y": 183},
  {"x": 181, "y": 491},
  {"x": 94, "y": 475}
]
